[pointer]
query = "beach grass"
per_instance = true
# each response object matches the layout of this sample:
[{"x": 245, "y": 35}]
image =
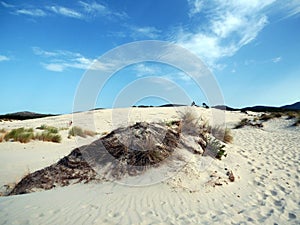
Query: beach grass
[
  {"x": 20, "y": 134},
  {"x": 48, "y": 136},
  {"x": 78, "y": 131},
  {"x": 50, "y": 129}
]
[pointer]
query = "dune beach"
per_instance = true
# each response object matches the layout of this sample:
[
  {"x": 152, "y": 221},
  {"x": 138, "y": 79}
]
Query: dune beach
[
  {"x": 150, "y": 112},
  {"x": 264, "y": 162}
]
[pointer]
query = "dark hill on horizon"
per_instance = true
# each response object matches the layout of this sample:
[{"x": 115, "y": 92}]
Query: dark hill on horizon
[
  {"x": 295, "y": 106},
  {"x": 292, "y": 107},
  {"x": 24, "y": 116}
]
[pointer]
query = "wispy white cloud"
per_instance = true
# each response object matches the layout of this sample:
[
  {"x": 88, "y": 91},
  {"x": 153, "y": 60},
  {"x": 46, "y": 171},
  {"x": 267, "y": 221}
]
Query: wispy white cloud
[
  {"x": 171, "y": 74},
  {"x": 230, "y": 26},
  {"x": 61, "y": 60},
  {"x": 287, "y": 9},
  {"x": 60, "y": 10},
  {"x": 31, "y": 12},
  {"x": 195, "y": 7},
  {"x": 94, "y": 8},
  {"x": 277, "y": 59},
  {"x": 6, "y": 5},
  {"x": 251, "y": 62},
  {"x": 4, "y": 58},
  {"x": 142, "y": 32},
  {"x": 82, "y": 10}
]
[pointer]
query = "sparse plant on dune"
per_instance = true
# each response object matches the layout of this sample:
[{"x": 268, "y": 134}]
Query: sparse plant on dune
[
  {"x": 215, "y": 149},
  {"x": 171, "y": 123},
  {"x": 90, "y": 133},
  {"x": 2, "y": 130},
  {"x": 20, "y": 134},
  {"x": 242, "y": 123},
  {"x": 78, "y": 131},
  {"x": 297, "y": 122},
  {"x": 228, "y": 138},
  {"x": 268, "y": 116},
  {"x": 220, "y": 133},
  {"x": 190, "y": 122},
  {"x": 48, "y": 136},
  {"x": 50, "y": 129},
  {"x": 292, "y": 115}
]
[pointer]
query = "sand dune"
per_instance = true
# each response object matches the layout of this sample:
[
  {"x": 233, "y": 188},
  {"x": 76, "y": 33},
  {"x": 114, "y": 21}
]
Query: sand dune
[{"x": 265, "y": 163}]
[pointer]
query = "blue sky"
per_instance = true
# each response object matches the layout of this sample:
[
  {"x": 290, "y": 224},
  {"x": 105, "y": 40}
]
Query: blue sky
[{"x": 252, "y": 48}]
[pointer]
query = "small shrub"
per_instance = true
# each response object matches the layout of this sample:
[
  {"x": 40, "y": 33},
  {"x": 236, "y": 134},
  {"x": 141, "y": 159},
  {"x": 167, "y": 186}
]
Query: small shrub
[
  {"x": 242, "y": 123},
  {"x": 228, "y": 138},
  {"x": 215, "y": 149},
  {"x": 89, "y": 133},
  {"x": 20, "y": 134},
  {"x": 50, "y": 129},
  {"x": 220, "y": 133},
  {"x": 297, "y": 123},
  {"x": 76, "y": 131},
  {"x": 171, "y": 123},
  {"x": 266, "y": 117},
  {"x": 104, "y": 133},
  {"x": 42, "y": 127},
  {"x": 190, "y": 122},
  {"x": 48, "y": 136},
  {"x": 2, "y": 130},
  {"x": 25, "y": 137}
]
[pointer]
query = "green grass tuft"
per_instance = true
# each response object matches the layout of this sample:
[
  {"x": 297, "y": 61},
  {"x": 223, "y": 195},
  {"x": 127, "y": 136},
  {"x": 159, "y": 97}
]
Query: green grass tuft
[
  {"x": 50, "y": 129},
  {"x": 48, "y": 136},
  {"x": 220, "y": 133},
  {"x": 20, "y": 134},
  {"x": 215, "y": 149},
  {"x": 78, "y": 131}
]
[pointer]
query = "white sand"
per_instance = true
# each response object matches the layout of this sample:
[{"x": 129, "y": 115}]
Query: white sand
[{"x": 265, "y": 163}]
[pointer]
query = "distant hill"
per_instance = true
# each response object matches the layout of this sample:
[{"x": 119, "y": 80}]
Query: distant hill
[
  {"x": 295, "y": 106},
  {"x": 172, "y": 105},
  {"x": 225, "y": 107},
  {"x": 24, "y": 116}
]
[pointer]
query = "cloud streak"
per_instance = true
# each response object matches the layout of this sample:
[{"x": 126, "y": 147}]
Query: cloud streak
[
  {"x": 65, "y": 12},
  {"x": 31, "y": 12},
  {"x": 230, "y": 26},
  {"x": 82, "y": 10},
  {"x": 4, "y": 58},
  {"x": 61, "y": 60}
]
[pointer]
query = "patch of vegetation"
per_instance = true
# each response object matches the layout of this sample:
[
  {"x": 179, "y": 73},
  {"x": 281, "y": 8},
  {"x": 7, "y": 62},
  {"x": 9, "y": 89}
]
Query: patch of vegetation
[
  {"x": 2, "y": 130},
  {"x": 190, "y": 122},
  {"x": 220, "y": 133},
  {"x": 265, "y": 117},
  {"x": 292, "y": 115},
  {"x": 48, "y": 136},
  {"x": 171, "y": 123},
  {"x": 20, "y": 134},
  {"x": 246, "y": 122},
  {"x": 90, "y": 133},
  {"x": 215, "y": 149},
  {"x": 297, "y": 123},
  {"x": 242, "y": 123},
  {"x": 78, "y": 131},
  {"x": 50, "y": 129}
]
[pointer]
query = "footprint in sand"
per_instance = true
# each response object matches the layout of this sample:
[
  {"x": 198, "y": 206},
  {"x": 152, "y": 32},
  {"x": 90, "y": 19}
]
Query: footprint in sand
[{"x": 292, "y": 216}]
